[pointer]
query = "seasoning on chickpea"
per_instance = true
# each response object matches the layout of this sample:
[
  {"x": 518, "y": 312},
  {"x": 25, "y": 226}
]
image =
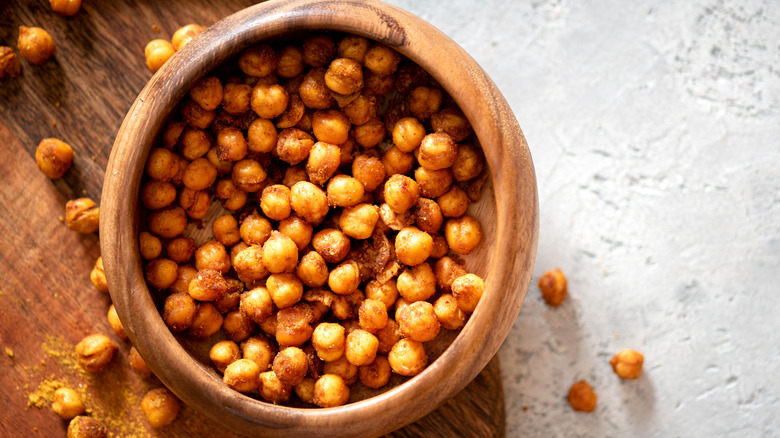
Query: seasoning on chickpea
[
  {"x": 413, "y": 246},
  {"x": 98, "y": 276},
  {"x": 273, "y": 390},
  {"x": 454, "y": 203},
  {"x": 248, "y": 175},
  {"x": 10, "y": 65},
  {"x": 448, "y": 313},
  {"x": 115, "y": 323},
  {"x": 297, "y": 229},
  {"x": 258, "y": 61},
  {"x": 82, "y": 215},
  {"x": 381, "y": 60},
  {"x": 463, "y": 234},
  {"x": 290, "y": 365},
  {"x": 95, "y": 352},
  {"x": 179, "y": 311},
  {"x": 67, "y": 403},
  {"x": 206, "y": 322},
  {"x": 185, "y": 34},
  {"x": 467, "y": 291},
  {"x": 417, "y": 283},
  {"x": 35, "y": 44},
  {"x": 330, "y": 390},
  {"x": 223, "y": 353},
  {"x": 407, "y": 357},
  {"x": 86, "y": 427},
  {"x": 433, "y": 183},
  {"x": 401, "y": 193},
  {"x": 242, "y": 375},
  {"x": 554, "y": 287},
  {"x": 627, "y": 363},
  {"x": 324, "y": 159},
  {"x": 54, "y": 157},
  {"x": 157, "y": 53},
  {"x": 309, "y": 201},
  {"x": 160, "y": 407},
  {"x": 290, "y": 62},
  {"x": 581, "y": 397},
  {"x": 369, "y": 171}
]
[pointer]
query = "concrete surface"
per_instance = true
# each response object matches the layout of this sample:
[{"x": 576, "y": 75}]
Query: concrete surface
[{"x": 655, "y": 130}]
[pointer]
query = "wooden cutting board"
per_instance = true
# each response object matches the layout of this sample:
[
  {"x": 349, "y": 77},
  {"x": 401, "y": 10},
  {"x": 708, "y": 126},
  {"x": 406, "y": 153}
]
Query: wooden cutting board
[{"x": 47, "y": 303}]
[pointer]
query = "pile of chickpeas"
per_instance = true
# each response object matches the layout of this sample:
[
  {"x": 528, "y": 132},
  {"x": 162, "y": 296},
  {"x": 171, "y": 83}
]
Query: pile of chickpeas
[{"x": 344, "y": 174}]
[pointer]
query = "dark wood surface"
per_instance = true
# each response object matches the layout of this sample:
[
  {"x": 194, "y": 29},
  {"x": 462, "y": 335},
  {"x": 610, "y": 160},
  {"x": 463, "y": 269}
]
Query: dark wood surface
[{"x": 48, "y": 303}]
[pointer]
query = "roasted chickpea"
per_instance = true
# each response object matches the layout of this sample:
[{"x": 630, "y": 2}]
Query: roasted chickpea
[
  {"x": 409, "y": 76},
  {"x": 293, "y": 145},
  {"x": 207, "y": 285},
  {"x": 341, "y": 367},
  {"x": 257, "y": 304},
  {"x": 248, "y": 264},
  {"x": 408, "y": 133},
  {"x": 82, "y": 215},
  {"x": 407, "y": 357},
  {"x": 207, "y": 92},
  {"x": 369, "y": 134},
  {"x": 193, "y": 143},
  {"x": 54, "y": 157},
  {"x": 269, "y": 325},
  {"x": 424, "y": 102},
  {"x": 195, "y": 203},
  {"x": 237, "y": 326},
  {"x": 397, "y": 162},
  {"x": 179, "y": 311},
  {"x": 35, "y": 44},
  {"x": 231, "y": 298},
  {"x": 324, "y": 159},
  {"x": 344, "y": 278},
  {"x": 381, "y": 60},
  {"x": 236, "y": 98},
  {"x": 454, "y": 203},
  {"x": 225, "y": 230},
  {"x": 290, "y": 365},
  {"x": 68, "y": 8},
  {"x": 446, "y": 271},
  {"x": 353, "y": 47},
  {"x": 305, "y": 390},
  {"x": 223, "y": 353},
  {"x": 10, "y": 65},
  {"x": 180, "y": 249},
  {"x": 388, "y": 336},
  {"x": 231, "y": 196},
  {"x": 376, "y": 374},
  {"x": 581, "y": 397},
  {"x": 161, "y": 273},
  {"x": 401, "y": 193},
  {"x": 369, "y": 171},
  {"x": 346, "y": 306},
  {"x": 206, "y": 322},
  {"x": 255, "y": 229},
  {"x": 372, "y": 315},
  {"x": 330, "y": 126},
  {"x": 294, "y": 174},
  {"x": 393, "y": 220},
  {"x": 448, "y": 313},
  {"x": 468, "y": 290},
  {"x": 260, "y": 350},
  {"x": 212, "y": 255},
  {"x": 359, "y": 221},
  {"x": 386, "y": 293},
  {"x": 360, "y": 348},
  {"x": 67, "y": 403},
  {"x": 273, "y": 390},
  {"x": 419, "y": 322},
  {"x": 248, "y": 175},
  {"x": 293, "y": 114},
  {"x": 451, "y": 121},
  {"x": 242, "y": 375},
  {"x": 285, "y": 289},
  {"x": 437, "y": 151},
  {"x": 469, "y": 163},
  {"x": 268, "y": 101},
  {"x": 330, "y": 390},
  {"x": 297, "y": 229},
  {"x": 314, "y": 93},
  {"x": 223, "y": 167},
  {"x": 417, "y": 284},
  {"x": 428, "y": 216},
  {"x": 413, "y": 246},
  {"x": 231, "y": 144},
  {"x": 157, "y": 53},
  {"x": 138, "y": 363},
  {"x": 95, "y": 352},
  {"x": 318, "y": 50},
  {"x": 344, "y": 191},
  {"x": 172, "y": 133},
  {"x": 312, "y": 270},
  {"x": 160, "y": 406},
  {"x": 362, "y": 109},
  {"x": 280, "y": 254},
  {"x": 258, "y": 61},
  {"x": 290, "y": 62},
  {"x": 115, "y": 323},
  {"x": 98, "y": 276},
  {"x": 379, "y": 85},
  {"x": 275, "y": 202},
  {"x": 463, "y": 234},
  {"x": 344, "y": 76},
  {"x": 157, "y": 194},
  {"x": 554, "y": 287},
  {"x": 433, "y": 183},
  {"x": 627, "y": 364},
  {"x": 184, "y": 276},
  {"x": 309, "y": 201},
  {"x": 328, "y": 340},
  {"x": 293, "y": 325},
  {"x": 168, "y": 222},
  {"x": 86, "y": 427}
]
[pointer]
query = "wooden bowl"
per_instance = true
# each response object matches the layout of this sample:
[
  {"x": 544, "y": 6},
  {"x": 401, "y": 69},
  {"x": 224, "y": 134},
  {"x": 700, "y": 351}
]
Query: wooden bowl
[{"x": 508, "y": 213}]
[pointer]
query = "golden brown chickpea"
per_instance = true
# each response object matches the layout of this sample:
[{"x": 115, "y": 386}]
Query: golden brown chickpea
[
  {"x": 318, "y": 50},
  {"x": 359, "y": 221},
  {"x": 401, "y": 193},
  {"x": 360, "y": 348},
  {"x": 268, "y": 326},
  {"x": 85, "y": 427},
  {"x": 353, "y": 47},
  {"x": 312, "y": 270},
  {"x": 463, "y": 234},
  {"x": 273, "y": 390},
  {"x": 231, "y": 144},
  {"x": 314, "y": 92},
  {"x": 232, "y": 198},
  {"x": 232, "y": 297},
  {"x": 237, "y": 326},
  {"x": 280, "y": 254},
  {"x": 223, "y": 353},
  {"x": 293, "y": 114},
  {"x": 428, "y": 216},
  {"x": 297, "y": 229},
  {"x": 346, "y": 306},
  {"x": 138, "y": 363},
  {"x": 256, "y": 304},
  {"x": 446, "y": 271},
  {"x": 236, "y": 98},
  {"x": 35, "y": 44},
  {"x": 424, "y": 102},
  {"x": 157, "y": 53},
  {"x": 369, "y": 171},
  {"x": 413, "y": 246},
  {"x": 195, "y": 203},
  {"x": 309, "y": 201},
  {"x": 408, "y": 133},
  {"x": 82, "y": 215},
  {"x": 95, "y": 352},
  {"x": 223, "y": 167},
  {"x": 554, "y": 287},
  {"x": 225, "y": 230},
  {"x": 242, "y": 375},
  {"x": 207, "y": 285},
  {"x": 67, "y": 8},
  {"x": 157, "y": 194},
  {"x": 193, "y": 143},
  {"x": 248, "y": 175},
  {"x": 344, "y": 278},
  {"x": 393, "y": 220},
  {"x": 260, "y": 350},
  {"x": 258, "y": 61},
  {"x": 10, "y": 65},
  {"x": 469, "y": 163},
  {"x": 448, "y": 313},
  {"x": 372, "y": 315},
  {"x": 168, "y": 222},
  {"x": 388, "y": 336},
  {"x": 397, "y": 162},
  {"x": 400, "y": 306},
  {"x": 172, "y": 133},
  {"x": 330, "y": 126},
  {"x": 344, "y": 76},
  {"x": 181, "y": 164},
  {"x": 407, "y": 357},
  {"x": 419, "y": 322},
  {"x": 369, "y": 134},
  {"x": 67, "y": 403},
  {"x": 290, "y": 62},
  {"x": 98, "y": 276},
  {"x": 379, "y": 85},
  {"x": 290, "y": 365},
  {"x": 268, "y": 101},
  {"x": 437, "y": 151},
  {"x": 293, "y": 325},
  {"x": 305, "y": 390},
  {"x": 248, "y": 264},
  {"x": 440, "y": 247},
  {"x": 185, "y": 34},
  {"x": 333, "y": 245},
  {"x": 341, "y": 367},
  {"x": 581, "y": 397},
  {"x": 200, "y": 174},
  {"x": 417, "y": 284},
  {"x": 386, "y": 293},
  {"x": 115, "y": 323},
  {"x": 324, "y": 159},
  {"x": 54, "y": 157},
  {"x": 207, "y": 321},
  {"x": 433, "y": 183},
  {"x": 161, "y": 273},
  {"x": 627, "y": 364},
  {"x": 294, "y": 174},
  {"x": 184, "y": 276},
  {"x": 207, "y": 92},
  {"x": 305, "y": 123},
  {"x": 409, "y": 76},
  {"x": 293, "y": 145},
  {"x": 467, "y": 290},
  {"x": 275, "y": 202},
  {"x": 344, "y": 191},
  {"x": 454, "y": 203},
  {"x": 180, "y": 249},
  {"x": 328, "y": 340},
  {"x": 451, "y": 121},
  {"x": 285, "y": 289},
  {"x": 255, "y": 229},
  {"x": 160, "y": 406},
  {"x": 330, "y": 390},
  {"x": 212, "y": 255},
  {"x": 362, "y": 109},
  {"x": 381, "y": 60}
]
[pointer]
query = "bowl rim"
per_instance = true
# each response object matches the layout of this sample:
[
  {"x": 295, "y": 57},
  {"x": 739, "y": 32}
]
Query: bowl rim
[{"x": 507, "y": 157}]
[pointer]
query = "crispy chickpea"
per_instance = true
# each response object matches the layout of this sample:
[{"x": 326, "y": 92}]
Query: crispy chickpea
[
  {"x": 257, "y": 304},
  {"x": 330, "y": 126},
  {"x": 193, "y": 143},
  {"x": 242, "y": 375},
  {"x": 172, "y": 133},
  {"x": 344, "y": 278},
  {"x": 95, "y": 352},
  {"x": 448, "y": 313},
  {"x": 223, "y": 353},
  {"x": 179, "y": 311},
  {"x": 309, "y": 201},
  {"x": 157, "y": 194},
  {"x": 207, "y": 285},
  {"x": 10, "y": 65},
  {"x": 386, "y": 293},
  {"x": 67, "y": 403},
  {"x": 273, "y": 390},
  {"x": 304, "y": 123},
  {"x": 290, "y": 365},
  {"x": 54, "y": 157},
  {"x": 381, "y": 60},
  {"x": 419, "y": 322},
  {"x": 236, "y": 98},
  {"x": 86, "y": 427},
  {"x": 206, "y": 322},
  {"x": 344, "y": 191},
  {"x": 328, "y": 340},
  {"x": 248, "y": 264},
  {"x": 554, "y": 287},
  {"x": 408, "y": 133},
  {"x": 35, "y": 44},
  {"x": 260, "y": 350},
  {"x": 180, "y": 249},
  {"x": 376, "y": 374},
  {"x": 407, "y": 357},
  {"x": 379, "y": 85},
  {"x": 275, "y": 202},
  {"x": 280, "y": 254},
  {"x": 294, "y": 174},
  {"x": 428, "y": 216},
  {"x": 446, "y": 271},
  {"x": 469, "y": 163},
  {"x": 98, "y": 276},
  {"x": 196, "y": 203},
  {"x": 285, "y": 289},
  {"x": 293, "y": 114},
  {"x": 314, "y": 92},
  {"x": 305, "y": 390},
  {"x": 627, "y": 364},
  {"x": 232, "y": 297},
  {"x": 237, "y": 326},
  {"x": 360, "y": 348},
  {"x": 67, "y": 8},
  {"x": 344, "y": 76},
  {"x": 400, "y": 306},
  {"x": 318, "y": 50},
  {"x": 269, "y": 325},
  {"x": 168, "y": 222},
  {"x": 372, "y": 315},
  {"x": 424, "y": 102},
  {"x": 225, "y": 230},
  {"x": 293, "y": 325},
  {"x": 330, "y": 390},
  {"x": 401, "y": 193},
  {"x": 388, "y": 336},
  {"x": 161, "y": 273},
  {"x": 346, "y": 306},
  {"x": 341, "y": 367},
  {"x": 324, "y": 160},
  {"x": 258, "y": 61},
  {"x": 452, "y": 121},
  {"x": 467, "y": 290},
  {"x": 413, "y": 246},
  {"x": 138, "y": 364},
  {"x": 369, "y": 134},
  {"x": 463, "y": 234},
  {"x": 212, "y": 255},
  {"x": 149, "y": 245},
  {"x": 290, "y": 62},
  {"x": 255, "y": 229},
  {"x": 248, "y": 175},
  {"x": 454, "y": 203},
  {"x": 362, "y": 109},
  {"x": 397, "y": 162},
  {"x": 312, "y": 270},
  {"x": 184, "y": 276},
  {"x": 297, "y": 229},
  {"x": 231, "y": 196},
  {"x": 353, "y": 47},
  {"x": 115, "y": 323},
  {"x": 268, "y": 101},
  {"x": 437, "y": 151},
  {"x": 157, "y": 53},
  {"x": 207, "y": 92},
  {"x": 433, "y": 183},
  {"x": 393, "y": 220},
  {"x": 200, "y": 174},
  {"x": 369, "y": 171},
  {"x": 359, "y": 221},
  {"x": 82, "y": 215},
  {"x": 231, "y": 144},
  {"x": 409, "y": 76},
  {"x": 293, "y": 145},
  {"x": 581, "y": 397},
  {"x": 160, "y": 406},
  {"x": 417, "y": 284}
]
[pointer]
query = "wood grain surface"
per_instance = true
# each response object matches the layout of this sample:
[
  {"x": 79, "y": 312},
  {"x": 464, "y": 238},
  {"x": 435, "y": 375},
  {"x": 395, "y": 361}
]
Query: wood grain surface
[{"x": 47, "y": 301}]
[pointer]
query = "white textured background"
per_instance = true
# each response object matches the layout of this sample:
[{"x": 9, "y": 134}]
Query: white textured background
[{"x": 655, "y": 131}]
